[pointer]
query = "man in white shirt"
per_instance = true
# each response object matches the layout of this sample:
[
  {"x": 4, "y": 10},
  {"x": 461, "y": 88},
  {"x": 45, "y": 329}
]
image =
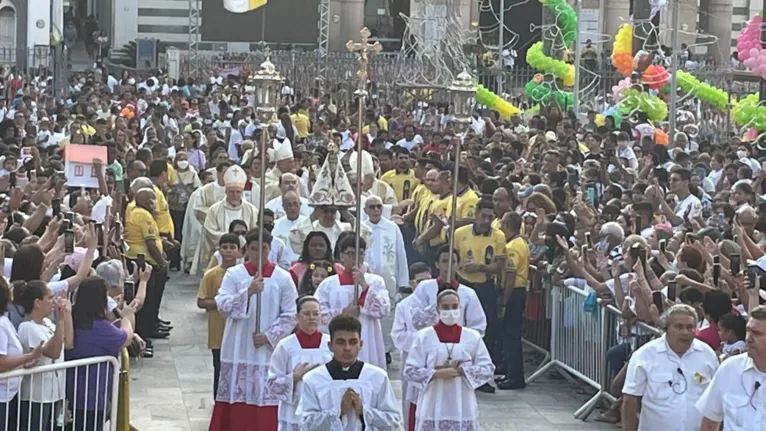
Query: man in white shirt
[
  {"x": 737, "y": 396},
  {"x": 235, "y": 140},
  {"x": 288, "y": 182},
  {"x": 410, "y": 138},
  {"x": 679, "y": 183},
  {"x": 291, "y": 203},
  {"x": 667, "y": 376},
  {"x": 386, "y": 257}
]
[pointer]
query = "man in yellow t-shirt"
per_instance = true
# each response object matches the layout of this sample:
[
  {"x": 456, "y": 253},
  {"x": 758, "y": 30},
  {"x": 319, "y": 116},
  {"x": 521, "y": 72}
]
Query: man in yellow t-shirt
[
  {"x": 142, "y": 237},
  {"x": 481, "y": 250},
  {"x": 402, "y": 178},
  {"x": 301, "y": 119},
  {"x": 160, "y": 152},
  {"x": 514, "y": 300},
  {"x": 467, "y": 199},
  {"x": 208, "y": 289}
]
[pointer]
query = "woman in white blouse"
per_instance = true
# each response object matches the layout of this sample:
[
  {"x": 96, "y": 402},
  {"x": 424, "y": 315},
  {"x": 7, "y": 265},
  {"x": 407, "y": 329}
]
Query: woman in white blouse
[
  {"x": 12, "y": 356},
  {"x": 42, "y": 394},
  {"x": 294, "y": 356}
]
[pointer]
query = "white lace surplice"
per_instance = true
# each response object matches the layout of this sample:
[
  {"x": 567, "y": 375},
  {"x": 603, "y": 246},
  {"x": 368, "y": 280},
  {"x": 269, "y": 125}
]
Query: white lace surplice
[
  {"x": 288, "y": 355},
  {"x": 334, "y": 297},
  {"x": 448, "y": 404},
  {"x": 244, "y": 368},
  {"x": 319, "y": 405},
  {"x": 424, "y": 313}
]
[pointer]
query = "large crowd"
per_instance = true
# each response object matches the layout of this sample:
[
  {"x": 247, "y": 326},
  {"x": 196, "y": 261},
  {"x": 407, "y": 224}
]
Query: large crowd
[{"x": 305, "y": 311}]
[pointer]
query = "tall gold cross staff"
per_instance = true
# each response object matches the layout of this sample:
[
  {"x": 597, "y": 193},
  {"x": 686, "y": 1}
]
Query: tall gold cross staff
[{"x": 363, "y": 47}]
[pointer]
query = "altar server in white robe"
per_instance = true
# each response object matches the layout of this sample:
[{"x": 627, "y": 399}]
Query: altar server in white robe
[
  {"x": 209, "y": 194},
  {"x": 332, "y": 193},
  {"x": 222, "y": 213},
  {"x": 447, "y": 363},
  {"x": 369, "y": 301},
  {"x": 403, "y": 333},
  {"x": 288, "y": 182},
  {"x": 247, "y": 293},
  {"x": 424, "y": 309},
  {"x": 347, "y": 394},
  {"x": 386, "y": 256},
  {"x": 294, "y": 356}
]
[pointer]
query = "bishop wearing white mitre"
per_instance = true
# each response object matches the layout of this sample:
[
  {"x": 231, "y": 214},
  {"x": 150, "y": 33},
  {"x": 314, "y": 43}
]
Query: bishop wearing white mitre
[
  {"x": 259, "y": 307},
  {"x": 222, "y": 213}
]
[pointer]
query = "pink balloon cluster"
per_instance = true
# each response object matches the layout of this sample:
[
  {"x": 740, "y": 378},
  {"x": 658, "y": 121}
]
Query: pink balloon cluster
[
  {"x": 621, "y": 86},
  {"x": 749, "y": 40}
]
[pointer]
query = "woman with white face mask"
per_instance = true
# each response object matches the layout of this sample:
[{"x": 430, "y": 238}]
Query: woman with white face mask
[{"x": 448, "y": 362}]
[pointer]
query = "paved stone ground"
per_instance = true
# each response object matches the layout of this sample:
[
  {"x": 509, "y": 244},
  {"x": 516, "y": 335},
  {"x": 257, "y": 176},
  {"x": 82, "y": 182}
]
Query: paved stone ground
[{"x": 173, "y": 391}]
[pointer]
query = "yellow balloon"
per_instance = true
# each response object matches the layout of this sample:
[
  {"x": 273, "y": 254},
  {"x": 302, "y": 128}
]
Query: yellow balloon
[{"x": 600, "y": 120}]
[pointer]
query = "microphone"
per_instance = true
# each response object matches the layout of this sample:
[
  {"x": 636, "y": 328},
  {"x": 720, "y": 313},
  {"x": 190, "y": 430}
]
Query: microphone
[
  {"x": 757, "y": 385},
  {"x": 681, "y": 372}
]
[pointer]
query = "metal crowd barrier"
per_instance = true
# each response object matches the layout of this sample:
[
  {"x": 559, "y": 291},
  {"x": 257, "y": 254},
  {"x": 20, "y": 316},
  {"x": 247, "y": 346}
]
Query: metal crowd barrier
[
  {"x": 78, "y": 395},
  {"x": 537, "y": 321},
  {"x": 579, "y": 342}
]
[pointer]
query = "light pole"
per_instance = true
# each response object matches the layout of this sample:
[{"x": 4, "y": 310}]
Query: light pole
[
  {"x": 673, "y": 72},
  {"x": 266, "y": 82},
  {"x": 463, "y": 95}
]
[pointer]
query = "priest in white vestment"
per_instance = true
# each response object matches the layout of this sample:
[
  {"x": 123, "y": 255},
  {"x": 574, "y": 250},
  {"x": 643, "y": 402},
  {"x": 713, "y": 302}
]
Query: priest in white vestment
[
  {"x": 283, "y": 225},
  {"x": 332, "y": 192},
  {"x": 294, "y": 356},
  {"x": 222, "y": 213},
  {"x": 447, "y": 363},
  {"x": 347, "y": 394},
  {"x": 360, "y": 294},
  {"x": 424, "y": 310},
  {"x": 247, "y": 294},
  {"x": 370, "y": 184},
  {"x": 192, "y": 229},
  {"x": 289, "y": 182},
  {"x": 387, "y": 257}
]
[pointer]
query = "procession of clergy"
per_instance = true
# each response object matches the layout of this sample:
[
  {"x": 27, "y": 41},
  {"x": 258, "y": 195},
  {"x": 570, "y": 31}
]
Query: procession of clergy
[{"x": 318, "y": 362}]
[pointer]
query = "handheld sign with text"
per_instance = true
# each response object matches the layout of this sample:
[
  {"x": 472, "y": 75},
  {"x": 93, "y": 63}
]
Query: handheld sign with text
[{"x": 78, "y": 165}]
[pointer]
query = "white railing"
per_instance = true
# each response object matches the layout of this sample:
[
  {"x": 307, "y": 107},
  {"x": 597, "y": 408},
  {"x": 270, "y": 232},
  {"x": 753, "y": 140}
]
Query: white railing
[
  {"x": 81, "y": 393},
  {"x": 580, "y": 340}
]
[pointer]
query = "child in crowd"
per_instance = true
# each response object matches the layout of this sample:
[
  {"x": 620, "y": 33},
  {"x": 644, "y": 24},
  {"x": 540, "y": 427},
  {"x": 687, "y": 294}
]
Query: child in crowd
[
  {"x": 229, "y": 249},
  {"x": 315, "y": 274},
  {"x": 731, "y": 329}
]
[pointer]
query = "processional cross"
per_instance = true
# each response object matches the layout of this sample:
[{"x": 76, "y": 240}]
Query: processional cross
[{"x": 363, "y": 47}]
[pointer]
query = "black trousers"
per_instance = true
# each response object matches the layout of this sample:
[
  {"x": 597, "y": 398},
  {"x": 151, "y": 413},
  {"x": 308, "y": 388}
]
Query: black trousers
[
  {"x": 513, "y": 325},
  {"x": 35, "y": 416},
  {"x": 216, "y": 370},
  {"x": 489, "y": 298},
  {"x": 174, "y": 255},
  {"x": 147, "y": 316}
]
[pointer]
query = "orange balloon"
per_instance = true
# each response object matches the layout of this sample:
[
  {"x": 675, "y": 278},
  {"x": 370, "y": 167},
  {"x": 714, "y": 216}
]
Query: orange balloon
[
  {"x": 660, "y": 137},
  {"x": 623, "y": 62},
  {"x": 655, "y": 77}
]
